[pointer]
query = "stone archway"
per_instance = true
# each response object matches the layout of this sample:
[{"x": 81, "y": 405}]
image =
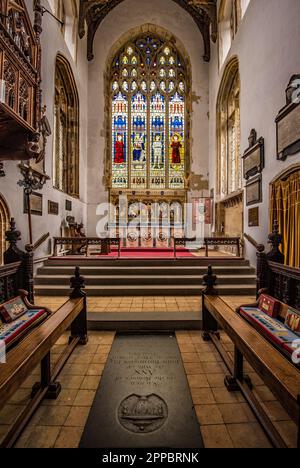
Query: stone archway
[{"x": 4, "y": 225}]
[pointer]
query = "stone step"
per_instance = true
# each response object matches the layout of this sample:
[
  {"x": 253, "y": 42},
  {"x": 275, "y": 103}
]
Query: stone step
[
  {"x": 142, "y": 321},
  {"x": 146, "y": 262},
  {"x": 146, "y": 290},
  {"x": 151, "y": 270},
  {"x": 121, "y": 280}
]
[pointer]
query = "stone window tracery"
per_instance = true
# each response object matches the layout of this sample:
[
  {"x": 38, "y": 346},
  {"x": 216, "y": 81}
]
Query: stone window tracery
[
  {"x": 229, "y": 153},
  {"x": 148, "y": 87},
  {"x": 66, "y": 135}
]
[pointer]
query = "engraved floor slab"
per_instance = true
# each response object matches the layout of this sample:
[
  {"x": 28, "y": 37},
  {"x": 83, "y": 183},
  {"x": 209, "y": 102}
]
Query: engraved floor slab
[{"x": 144, "y": 399}]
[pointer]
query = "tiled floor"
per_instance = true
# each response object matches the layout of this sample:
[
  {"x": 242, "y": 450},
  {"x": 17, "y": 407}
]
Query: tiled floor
[
  {"x": 131, "y": 304},
  {"x": 225, "y": 419}
]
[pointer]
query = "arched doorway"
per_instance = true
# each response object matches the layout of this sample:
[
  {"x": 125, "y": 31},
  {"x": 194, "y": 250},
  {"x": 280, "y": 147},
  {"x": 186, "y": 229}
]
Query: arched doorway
[
  {"x": 4, "y": 225},
  {"x": 285, "y": 208}
]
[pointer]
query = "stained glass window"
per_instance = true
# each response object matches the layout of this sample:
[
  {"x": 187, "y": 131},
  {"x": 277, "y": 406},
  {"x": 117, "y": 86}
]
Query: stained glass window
[
  {"x": 139, "y": 141},
  {"x": 148, "y": 86},
  {"x": 120, "y": 141},
  {"x": 177, "y": 141}
]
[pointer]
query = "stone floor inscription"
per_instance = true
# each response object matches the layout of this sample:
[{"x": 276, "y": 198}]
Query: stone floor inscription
[{"x": 143, "y": 400}]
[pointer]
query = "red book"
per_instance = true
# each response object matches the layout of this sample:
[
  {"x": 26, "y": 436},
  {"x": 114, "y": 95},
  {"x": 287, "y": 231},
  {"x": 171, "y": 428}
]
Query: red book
[{"x": 269, "y": 305}]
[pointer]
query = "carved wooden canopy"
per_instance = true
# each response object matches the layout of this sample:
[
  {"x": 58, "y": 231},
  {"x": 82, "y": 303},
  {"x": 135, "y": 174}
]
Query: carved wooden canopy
[
  {"x": 204, "y": 13},
  {"x": 20, "y": 56}
]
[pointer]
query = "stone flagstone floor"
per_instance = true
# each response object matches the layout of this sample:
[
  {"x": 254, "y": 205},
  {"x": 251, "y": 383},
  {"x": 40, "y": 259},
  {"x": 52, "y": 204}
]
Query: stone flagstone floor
[{"x": 225, "y": 419}]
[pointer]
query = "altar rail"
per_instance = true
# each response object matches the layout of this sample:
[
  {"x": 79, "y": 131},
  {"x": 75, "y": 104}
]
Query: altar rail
[
  {"x": 81, "y": 245},
  {"x": 222, "y": 241}
]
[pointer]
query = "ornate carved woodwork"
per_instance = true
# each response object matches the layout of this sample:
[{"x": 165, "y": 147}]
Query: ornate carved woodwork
[
  {"x": 204, "y": 13},
  {"x": 32, "y": 179},
  {"x": 20, "y": 78}
]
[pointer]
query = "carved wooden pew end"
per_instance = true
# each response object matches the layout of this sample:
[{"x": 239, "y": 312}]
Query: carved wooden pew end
[{"x": 35, "y": 349}]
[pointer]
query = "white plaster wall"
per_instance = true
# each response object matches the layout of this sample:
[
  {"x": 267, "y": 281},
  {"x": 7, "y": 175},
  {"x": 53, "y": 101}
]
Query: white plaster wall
[
  {"x": 128, "y": 15},
  {"x": 52, "y": 43},
  {"x": 266, "y": 46}
]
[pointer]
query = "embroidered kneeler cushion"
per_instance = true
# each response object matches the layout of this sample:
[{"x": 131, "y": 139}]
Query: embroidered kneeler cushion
[
  {"x": 12, "y": 309},
  {"x": 292, "y": 321},
  {"x": 273, "y": 328},
  {"x": 13, "y": 332}
]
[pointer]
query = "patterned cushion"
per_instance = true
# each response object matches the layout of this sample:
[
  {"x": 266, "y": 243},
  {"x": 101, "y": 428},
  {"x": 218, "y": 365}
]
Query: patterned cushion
[
  {"x": 11, "y": 333},
  {"x": 292, "y": 321},
  {"x": 275, "y": 330},
  {"x": 12, "y": 309}
]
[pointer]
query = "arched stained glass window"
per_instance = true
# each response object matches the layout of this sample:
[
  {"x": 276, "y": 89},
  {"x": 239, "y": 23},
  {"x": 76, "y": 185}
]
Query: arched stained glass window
[
  {"x": 66, "y": 130},
  {"x": 229, "y": 151},
  {"x": 148, "y": 100}
]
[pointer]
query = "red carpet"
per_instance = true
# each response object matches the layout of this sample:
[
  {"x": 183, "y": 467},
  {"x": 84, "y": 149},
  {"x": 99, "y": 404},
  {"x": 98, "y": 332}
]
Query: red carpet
[
  {"x": 138, "y": 253},
  {"x": 148, "y": 253}
]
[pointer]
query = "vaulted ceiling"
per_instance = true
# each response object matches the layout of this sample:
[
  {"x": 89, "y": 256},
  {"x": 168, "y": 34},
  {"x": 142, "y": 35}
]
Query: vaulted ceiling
[{"x": 204, "y": 13}]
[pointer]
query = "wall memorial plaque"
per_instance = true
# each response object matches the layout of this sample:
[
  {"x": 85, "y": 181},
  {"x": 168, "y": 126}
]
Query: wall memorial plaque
[
  {"x": 36, "y": 204},
  {"x": 288, "y": 122},
  {"x": 144, "y": 399},
  {"x": 253, "y": 214},
  {"x": 254, "y": 191},
  {"x": 53, "y": 208},
  {"x": 254, "y": 156},
  {"x": 68, "y": 205}
]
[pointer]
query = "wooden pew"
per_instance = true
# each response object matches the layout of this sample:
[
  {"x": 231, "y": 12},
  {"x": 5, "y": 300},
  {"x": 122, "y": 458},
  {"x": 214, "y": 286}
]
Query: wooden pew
[
  {"x": 278, "y": 373},
  {"x": 35, "y": 349}
]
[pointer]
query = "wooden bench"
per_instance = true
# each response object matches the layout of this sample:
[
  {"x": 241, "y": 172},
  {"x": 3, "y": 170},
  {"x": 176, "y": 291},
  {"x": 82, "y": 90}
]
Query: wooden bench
[
  {"x": 274, "y": 369},
  {"x": 278, "y": 373},
  {"x": 35, "y": 349}
]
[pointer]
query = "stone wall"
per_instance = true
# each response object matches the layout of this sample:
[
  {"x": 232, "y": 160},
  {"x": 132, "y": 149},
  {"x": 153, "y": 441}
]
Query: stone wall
[{"x": 265, "y": 46}]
